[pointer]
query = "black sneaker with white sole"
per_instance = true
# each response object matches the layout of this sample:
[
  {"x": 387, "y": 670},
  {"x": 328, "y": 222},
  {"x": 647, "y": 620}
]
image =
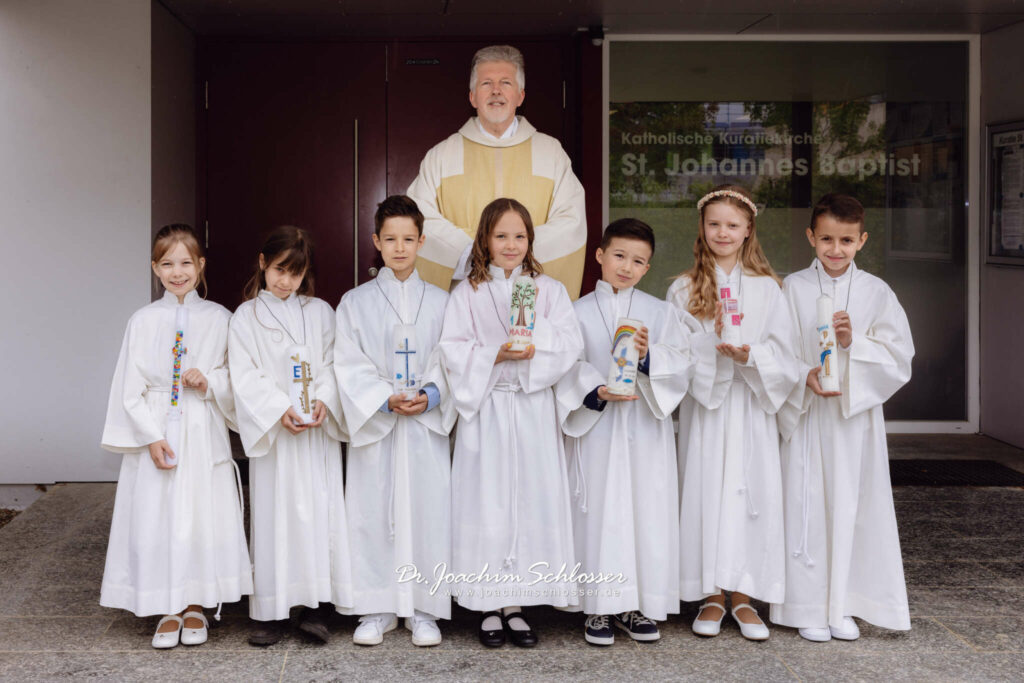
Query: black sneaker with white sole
[
  {"x": 637, "y": 626},
  {"x": 599, "y": 630}
]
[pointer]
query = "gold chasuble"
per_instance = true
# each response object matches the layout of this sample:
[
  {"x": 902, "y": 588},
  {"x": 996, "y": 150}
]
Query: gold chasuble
[{"x": 462, "y": 174}]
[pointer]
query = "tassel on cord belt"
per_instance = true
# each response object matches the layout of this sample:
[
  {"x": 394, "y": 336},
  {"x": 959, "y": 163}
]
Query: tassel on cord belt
[
  {"x": 805, "y": 505},
  {"x": 241, "y": 512},
  {"x": 510, "y": 389},
  {"x": 580, "y": 492}
]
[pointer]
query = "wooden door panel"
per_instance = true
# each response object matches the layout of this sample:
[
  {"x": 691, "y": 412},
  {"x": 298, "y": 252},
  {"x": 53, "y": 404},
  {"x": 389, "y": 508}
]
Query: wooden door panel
[{"x": 281, "y": 148}]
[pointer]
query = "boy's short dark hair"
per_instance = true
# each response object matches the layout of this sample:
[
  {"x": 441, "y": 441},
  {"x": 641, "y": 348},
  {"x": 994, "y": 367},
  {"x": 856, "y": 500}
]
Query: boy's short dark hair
[
  {"x": 630, "y": 229},
  {"x": 394, "y": 206},
  {"x": 842, "y": 207}
]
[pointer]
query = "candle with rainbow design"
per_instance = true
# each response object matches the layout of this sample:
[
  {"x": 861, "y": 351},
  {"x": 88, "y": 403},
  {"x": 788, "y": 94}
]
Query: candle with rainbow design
[
  {"x": 173, "y": 430},
  {"x": 625, "y": 358}
]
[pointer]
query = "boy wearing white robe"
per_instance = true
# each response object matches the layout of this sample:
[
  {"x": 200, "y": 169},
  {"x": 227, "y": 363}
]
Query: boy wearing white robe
[
  {"x": 299, "y": 543},
  {"x": 399, "y": 467},
  {"x": 621, "y": 450},
  {"x": 843, "y": 556}
]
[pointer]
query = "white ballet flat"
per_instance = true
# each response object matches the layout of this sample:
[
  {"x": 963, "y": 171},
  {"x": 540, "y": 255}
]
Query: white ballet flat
[
  {"x": 756, "y": 631},
  {"x": 706, "y": 627},
  {"x": 848, "y": 631},
  {"x": 165, "y": 641},
  {"x": 195, "y": 636},
  {"x": 817, "y": 635}
]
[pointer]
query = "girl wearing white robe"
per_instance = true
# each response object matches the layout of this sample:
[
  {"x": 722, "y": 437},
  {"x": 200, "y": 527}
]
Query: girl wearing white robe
[
  {"x": 399, "y": 467},
  {"x": 731, "y": 501},
  {"x": 844, "y": 553},
  {"x": 511, "y": 521},
  {"x": 176, "y": 538},
  {"x": 299, "y": 536},
  {"x": 622, "y": 460}
]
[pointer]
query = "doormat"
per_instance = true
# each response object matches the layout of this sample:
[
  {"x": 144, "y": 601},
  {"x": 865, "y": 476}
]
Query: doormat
[{"x": 953, "y": 473}]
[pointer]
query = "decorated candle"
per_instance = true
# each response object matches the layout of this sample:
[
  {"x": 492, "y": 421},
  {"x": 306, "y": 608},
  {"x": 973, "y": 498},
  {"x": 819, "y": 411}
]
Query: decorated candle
[
  {"x": 522, "y": 312},
  {"x": 406, "y": 375},
  {"x": 300, "y": 382},
  {"x": 173, "y": 430},
  {"x": 625, "y": 358},
  {"x": 730, "y": 317},
  {"x": 828, "y": 377}
]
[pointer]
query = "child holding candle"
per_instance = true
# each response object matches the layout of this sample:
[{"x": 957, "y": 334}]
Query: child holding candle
[
  {"x": 398, "y": 416},
  {"x": 843, "y": 556},
  {"x": 510, "y": 494},
  {"x": 282, "y": 337},
  {"x": 731, "y": 503},
  {"x": 176, "y": 540},
  {"x": 621, "y": 447}
]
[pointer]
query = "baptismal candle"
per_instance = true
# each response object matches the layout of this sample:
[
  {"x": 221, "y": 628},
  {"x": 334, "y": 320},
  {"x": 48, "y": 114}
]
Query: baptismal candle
[
  {"x": 828, "y": 377},
  {"x": 173, "y": 429},
  {"x": 406, "y": 374},
  {"x": 300, "y": 382},
  {"x": 730, "y": 317},
  {"x": 522, "y": 312},
  {"x": 625, "y": 358}
]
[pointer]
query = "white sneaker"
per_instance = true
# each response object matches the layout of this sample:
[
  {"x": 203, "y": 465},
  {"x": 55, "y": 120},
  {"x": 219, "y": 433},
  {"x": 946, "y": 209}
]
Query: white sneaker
[
  {"x": 372, "y": 628},
  {"x": 425, "y": 632},
  {"x": 817, "y": 635},
  {"x": 848, "y": 631}
]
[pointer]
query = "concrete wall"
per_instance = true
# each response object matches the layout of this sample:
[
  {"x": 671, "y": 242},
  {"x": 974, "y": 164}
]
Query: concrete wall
[
  {"x": 1002, "y": 287},
  {"x": 174, "y": 124},
  {"x": 75, "y": 218}
]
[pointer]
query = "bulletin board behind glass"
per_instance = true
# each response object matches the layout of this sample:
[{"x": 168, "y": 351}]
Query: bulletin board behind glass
[{"x": 1006, "y": 194}]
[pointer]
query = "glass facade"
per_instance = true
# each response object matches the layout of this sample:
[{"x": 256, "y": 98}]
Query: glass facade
[{"x": 883, "y": 121}]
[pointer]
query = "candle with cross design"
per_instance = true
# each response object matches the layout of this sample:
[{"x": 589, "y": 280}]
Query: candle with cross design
[
  {"x": 300, "y": 382},
  {"x": 173, "y": 429},
  {"x": 406, "y": 373},
  {"x": 625, "y": 358}
]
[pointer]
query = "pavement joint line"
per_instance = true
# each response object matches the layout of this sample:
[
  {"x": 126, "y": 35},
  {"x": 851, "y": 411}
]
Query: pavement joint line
[
  {"x": 955, "y": 634},
  {"x": 283, "y": 663},
  {"x": 788, "y": 667}
]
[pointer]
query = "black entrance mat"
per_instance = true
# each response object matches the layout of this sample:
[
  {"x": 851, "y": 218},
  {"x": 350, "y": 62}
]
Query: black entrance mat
[{"x": 953, "y": 473}]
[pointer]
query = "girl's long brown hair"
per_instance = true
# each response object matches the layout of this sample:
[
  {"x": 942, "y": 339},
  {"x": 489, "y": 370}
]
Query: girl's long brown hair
[
  {"x": 295, "y": 245},
  {"x": 168, "y": 236},
  {"x": 703, "y": 283},
  {"x": 481, "y": 254}
]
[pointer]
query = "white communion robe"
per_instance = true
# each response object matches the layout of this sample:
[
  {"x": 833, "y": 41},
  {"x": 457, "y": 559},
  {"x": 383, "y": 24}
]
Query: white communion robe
[
  {"x": 843, "y": 548},
  {"x": 622, "y": 460},
  {"x": 731, "y": 503},
  {"x": 511, "y": 522},
  {"x": 177, "y": 536},
  {"x": 299, "y": 535},
  {"x": 398, "y": 491}
]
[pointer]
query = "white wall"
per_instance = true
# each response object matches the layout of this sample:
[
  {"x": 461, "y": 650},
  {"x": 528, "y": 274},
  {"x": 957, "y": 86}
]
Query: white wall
[
  {"x": 1002, "y": 287},
  {"x": 75, "y": 221}
]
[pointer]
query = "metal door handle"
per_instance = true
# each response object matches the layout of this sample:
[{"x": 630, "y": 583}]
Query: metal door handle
[
  {"x": 372, "y": 271},
  {"x": 355, "y": 202}
]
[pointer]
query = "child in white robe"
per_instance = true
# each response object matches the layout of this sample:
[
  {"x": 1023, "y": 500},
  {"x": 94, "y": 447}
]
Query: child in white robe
[
  {"x": 843, "y": 556},
  {"x": 299, "y": 536},
  {"x": 621, "y": 449},
  {"x": 511, "y": 522},
  {"x": 176, "y": 538},
  {"x": 731, "y": 502},
  {"x": 399, "y": 455}
]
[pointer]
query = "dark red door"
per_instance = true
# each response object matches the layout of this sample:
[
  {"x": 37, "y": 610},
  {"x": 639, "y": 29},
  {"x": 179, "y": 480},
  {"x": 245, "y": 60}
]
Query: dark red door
[{"x": 293, "y": 132}]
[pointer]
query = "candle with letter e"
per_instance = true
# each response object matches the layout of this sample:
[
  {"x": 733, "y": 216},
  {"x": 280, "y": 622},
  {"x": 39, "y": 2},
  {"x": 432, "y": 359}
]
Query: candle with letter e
[
  {"x": 300, "y": 382},
  {"x": 828, "y": 377}
]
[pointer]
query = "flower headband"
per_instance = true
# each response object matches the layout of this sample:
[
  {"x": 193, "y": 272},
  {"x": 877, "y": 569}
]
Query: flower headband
[{"x": 725, "y": 193}]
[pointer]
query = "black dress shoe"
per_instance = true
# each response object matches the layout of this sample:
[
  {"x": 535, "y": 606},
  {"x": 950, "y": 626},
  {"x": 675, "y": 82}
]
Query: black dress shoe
[
  {"x": 491, "y": 638},
  {"x": 525, "y": 638},
  {"x": 314, "y": 622},
  {"x": 267, "y": 632}
]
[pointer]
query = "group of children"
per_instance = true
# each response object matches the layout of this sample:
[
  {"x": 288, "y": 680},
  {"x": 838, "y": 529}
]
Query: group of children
[{"x": 560, "y": 491}]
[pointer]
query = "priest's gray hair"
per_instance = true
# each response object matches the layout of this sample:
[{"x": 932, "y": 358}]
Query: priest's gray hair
[{"x": 499, "y": 53}]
